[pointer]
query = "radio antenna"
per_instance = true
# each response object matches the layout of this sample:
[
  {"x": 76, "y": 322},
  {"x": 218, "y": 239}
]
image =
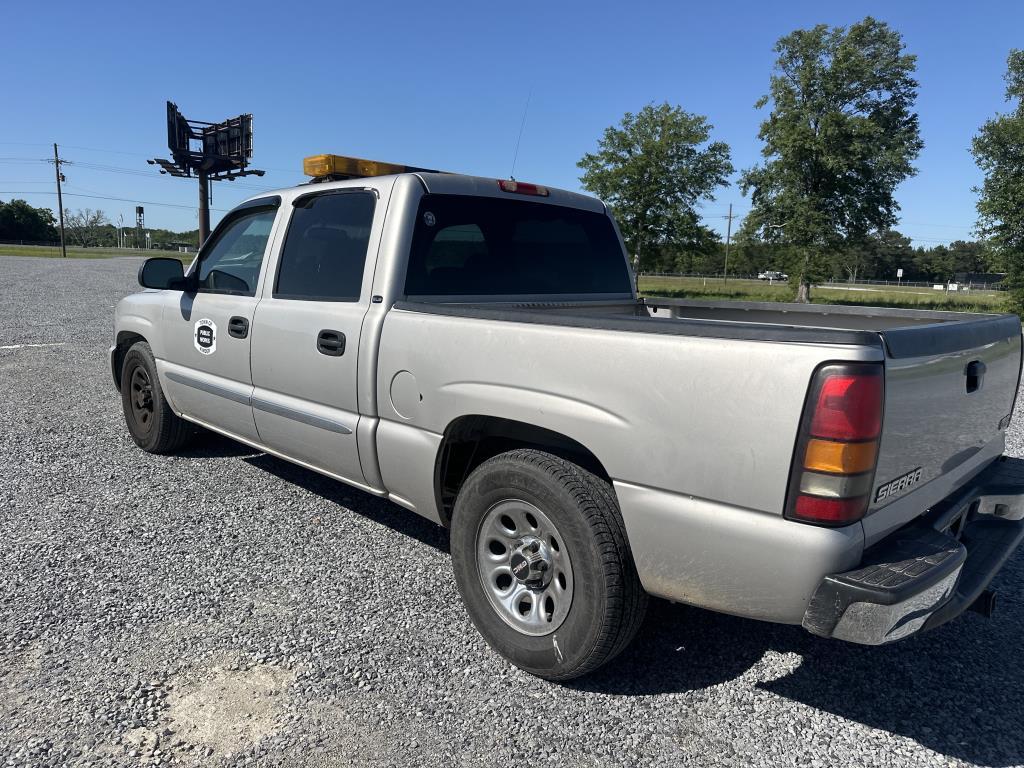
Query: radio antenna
[{"x": 522, "y": 125}]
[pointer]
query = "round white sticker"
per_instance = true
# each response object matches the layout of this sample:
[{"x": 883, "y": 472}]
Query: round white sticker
[
  {"x": 205, "y": 336},
  {"x": 429, "y": 219}
]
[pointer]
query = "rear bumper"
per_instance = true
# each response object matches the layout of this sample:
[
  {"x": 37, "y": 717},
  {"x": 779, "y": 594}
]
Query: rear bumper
[{"x": 930, "y": 571}]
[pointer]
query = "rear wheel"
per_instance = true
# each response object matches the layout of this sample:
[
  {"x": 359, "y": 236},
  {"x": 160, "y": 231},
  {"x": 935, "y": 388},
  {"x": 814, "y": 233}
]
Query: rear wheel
[
  {"x": 154, "y": 427},
  {"x": 543, "y": 565}
]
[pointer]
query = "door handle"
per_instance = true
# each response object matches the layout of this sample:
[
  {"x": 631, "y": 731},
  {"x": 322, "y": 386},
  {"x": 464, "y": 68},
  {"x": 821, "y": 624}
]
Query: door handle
[
  {"x": 975, "y": 373},
  {"x": 238, "y": 327},
  {"x": 330, "y": 343}
]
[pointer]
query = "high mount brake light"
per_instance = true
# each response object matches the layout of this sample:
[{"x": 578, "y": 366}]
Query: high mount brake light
[
  {"x": 522, "y": 188},
  {"x": 837, "y": 450}
]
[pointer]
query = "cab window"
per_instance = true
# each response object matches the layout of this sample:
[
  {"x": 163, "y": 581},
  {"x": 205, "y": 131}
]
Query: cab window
[
  {"x": 231, "y": 263},
  {"x": 325, "y": 250},
  {"x": 490, "y": 246}
]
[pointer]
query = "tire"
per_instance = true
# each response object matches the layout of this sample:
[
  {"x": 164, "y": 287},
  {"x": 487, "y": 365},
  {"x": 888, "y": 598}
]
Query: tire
[
  {"x": 152, "y": 424},
  {"x": 563, "y": 516}
]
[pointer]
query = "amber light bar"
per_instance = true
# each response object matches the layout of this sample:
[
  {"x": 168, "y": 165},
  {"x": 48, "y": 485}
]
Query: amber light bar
[{"x": 343, "y": 167}]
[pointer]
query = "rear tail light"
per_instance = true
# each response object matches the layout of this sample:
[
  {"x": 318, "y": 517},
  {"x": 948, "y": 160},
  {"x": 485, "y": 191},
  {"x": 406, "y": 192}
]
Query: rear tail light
[
  {"x": 836, "y": 453},
  {"x": 522, "y": 188}
]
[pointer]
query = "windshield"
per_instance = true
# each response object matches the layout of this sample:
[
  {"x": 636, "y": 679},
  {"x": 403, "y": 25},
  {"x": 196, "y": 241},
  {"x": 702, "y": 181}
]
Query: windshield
[{"x": 484, "y": 246}]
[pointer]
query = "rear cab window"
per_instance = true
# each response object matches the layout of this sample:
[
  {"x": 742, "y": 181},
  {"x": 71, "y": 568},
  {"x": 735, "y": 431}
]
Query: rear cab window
[
  {"x": 324, "y": 252},
  {"x": 482, "y": 246}
]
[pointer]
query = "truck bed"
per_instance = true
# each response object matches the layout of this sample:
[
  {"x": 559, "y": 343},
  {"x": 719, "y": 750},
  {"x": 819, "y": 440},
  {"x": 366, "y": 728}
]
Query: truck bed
[
  {"x": 739, "y": 369},
  {"x": 901, "y": 332}
]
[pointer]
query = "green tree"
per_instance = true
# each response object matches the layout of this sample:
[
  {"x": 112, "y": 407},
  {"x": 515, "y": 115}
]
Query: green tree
[
  {"x": 851, "y": 263},
  {"x": 998, "y": 150},
  {"x": 890, "y": 251},
  {"x": 85, "y": 226},
  {"x": 653, "y": 169},
  {"x": 969, "y": 256},
  {"x": 21, "y": 221},
  {"x": 937, "y": 264},
  {"x": 841, "y": 135}
]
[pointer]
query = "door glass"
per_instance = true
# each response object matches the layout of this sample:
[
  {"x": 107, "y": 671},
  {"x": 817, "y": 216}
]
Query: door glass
[
  {"x": 232, "y": 262},
  {"x": 325, "y": 250}
]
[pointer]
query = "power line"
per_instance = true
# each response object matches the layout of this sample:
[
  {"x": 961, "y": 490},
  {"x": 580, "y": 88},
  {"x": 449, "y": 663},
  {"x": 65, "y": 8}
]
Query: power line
[
  {"x": 113, "y": 199},
  {"x": 945, "y": 226},
  {"x": 115, "y": 152},
  {"x": 85, "y": 165}
]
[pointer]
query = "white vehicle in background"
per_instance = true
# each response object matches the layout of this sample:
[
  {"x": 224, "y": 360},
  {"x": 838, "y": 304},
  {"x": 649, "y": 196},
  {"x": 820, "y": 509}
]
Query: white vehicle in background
[{"x": 773, "y": 275}]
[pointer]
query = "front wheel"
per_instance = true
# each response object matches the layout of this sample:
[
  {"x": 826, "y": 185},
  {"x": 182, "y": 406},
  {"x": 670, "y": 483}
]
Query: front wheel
[
  {"x": 543, "y": 565},
  {"x": 154, "y": 427}
]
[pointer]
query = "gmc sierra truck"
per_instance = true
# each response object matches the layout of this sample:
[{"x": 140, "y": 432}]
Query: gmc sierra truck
[{"x": 474, "y": 350}]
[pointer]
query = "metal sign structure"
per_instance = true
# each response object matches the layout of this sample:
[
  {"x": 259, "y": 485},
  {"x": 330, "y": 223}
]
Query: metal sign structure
[{"x": 209, "y": 151}]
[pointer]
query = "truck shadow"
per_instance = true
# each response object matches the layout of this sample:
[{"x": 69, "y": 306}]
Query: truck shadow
[
  {"x": 958, "y": 690},
  {"x": 209, "y": 445},
  {"x": 381, "y": 511}
]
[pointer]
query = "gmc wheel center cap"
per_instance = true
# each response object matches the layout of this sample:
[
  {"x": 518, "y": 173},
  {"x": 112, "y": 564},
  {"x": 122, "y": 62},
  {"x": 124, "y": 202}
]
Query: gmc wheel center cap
[{"x": 530, "y": 563}]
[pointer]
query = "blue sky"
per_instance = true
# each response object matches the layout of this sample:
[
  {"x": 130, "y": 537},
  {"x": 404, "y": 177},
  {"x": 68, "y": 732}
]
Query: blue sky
[{"x": 444, "y": 85}]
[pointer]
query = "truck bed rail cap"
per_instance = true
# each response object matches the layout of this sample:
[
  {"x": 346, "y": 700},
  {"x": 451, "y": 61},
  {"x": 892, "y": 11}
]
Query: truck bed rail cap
[
  {"x": 948, "y": 337},
  {"x": 718, "y": 329}
]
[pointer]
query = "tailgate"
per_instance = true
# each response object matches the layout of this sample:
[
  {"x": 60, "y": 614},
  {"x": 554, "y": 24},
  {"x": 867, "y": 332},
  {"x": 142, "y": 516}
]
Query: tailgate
[{"x": 949, "y": 390}]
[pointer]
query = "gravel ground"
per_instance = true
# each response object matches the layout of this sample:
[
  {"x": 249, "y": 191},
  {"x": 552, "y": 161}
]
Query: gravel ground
[{"x": 223, "y": 607}]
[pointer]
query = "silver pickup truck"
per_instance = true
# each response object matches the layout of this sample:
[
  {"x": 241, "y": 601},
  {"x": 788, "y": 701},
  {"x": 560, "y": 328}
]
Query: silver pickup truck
[{"x": 474, "y": 350}]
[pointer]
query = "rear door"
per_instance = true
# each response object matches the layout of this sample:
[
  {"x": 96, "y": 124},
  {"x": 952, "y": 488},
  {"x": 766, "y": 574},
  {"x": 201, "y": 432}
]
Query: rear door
[
  {"x": 305, "y": 350},
  {"x": 950, "y": 388},
  {"x": 207, "y": 333}
]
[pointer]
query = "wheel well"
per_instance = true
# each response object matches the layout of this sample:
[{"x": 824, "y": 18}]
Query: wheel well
[
  {"x": 124, "y": 342},
  {"x": 471, "y": 440}
]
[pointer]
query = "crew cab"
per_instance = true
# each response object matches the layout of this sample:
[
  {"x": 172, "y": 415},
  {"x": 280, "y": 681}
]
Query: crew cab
[{"x": 474, "y": 350}]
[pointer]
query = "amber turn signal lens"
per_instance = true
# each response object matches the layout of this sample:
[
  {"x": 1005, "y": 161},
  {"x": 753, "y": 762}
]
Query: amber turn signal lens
[{"x": 843, "y": 458}]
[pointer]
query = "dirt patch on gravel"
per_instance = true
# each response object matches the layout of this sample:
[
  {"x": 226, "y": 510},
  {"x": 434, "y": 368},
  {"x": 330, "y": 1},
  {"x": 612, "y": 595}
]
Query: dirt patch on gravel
[{"x": 228, "y": 711}]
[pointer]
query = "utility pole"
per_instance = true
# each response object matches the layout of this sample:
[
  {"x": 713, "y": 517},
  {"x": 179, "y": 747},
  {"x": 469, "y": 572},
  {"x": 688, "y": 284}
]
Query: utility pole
[
  {"x": 728, "y": 242},
  {"x": 204, "y": 207},
  {"x": 60, "y": 200}
]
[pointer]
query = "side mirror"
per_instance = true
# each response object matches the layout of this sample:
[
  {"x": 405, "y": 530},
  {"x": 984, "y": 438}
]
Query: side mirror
[{"x": 161, "y": 272}]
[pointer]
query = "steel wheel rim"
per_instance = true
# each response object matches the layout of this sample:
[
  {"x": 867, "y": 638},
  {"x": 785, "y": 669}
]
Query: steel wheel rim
[
  {"x": 141, "y": 397},
  {"x": 530, "y": 607}
]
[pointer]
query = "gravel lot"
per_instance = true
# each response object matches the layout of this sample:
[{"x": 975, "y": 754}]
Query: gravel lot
[{"x": 226, "y": 608}]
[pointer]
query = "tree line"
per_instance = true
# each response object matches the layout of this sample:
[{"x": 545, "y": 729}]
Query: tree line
[
  {"x": 86, "y": 228},
  {"x": 839, "y": 135},
  {"x": 878, "y": 257}
]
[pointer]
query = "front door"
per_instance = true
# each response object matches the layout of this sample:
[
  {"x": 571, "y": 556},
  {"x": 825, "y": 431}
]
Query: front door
[
  {"x": 207, "y": 333},
  {"x": 305, "y": 349}
]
